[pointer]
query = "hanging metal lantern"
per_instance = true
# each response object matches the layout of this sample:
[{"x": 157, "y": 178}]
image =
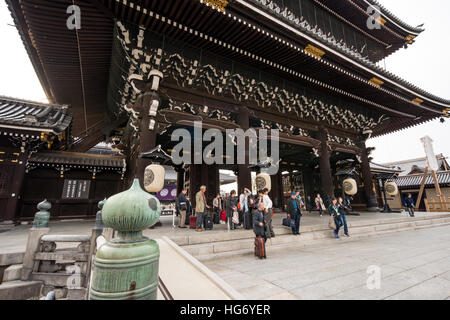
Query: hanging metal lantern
[
  {"x": 154, "y": 178},
  {"x": 391, "y": 188},
  {"x": 263, "y": 181},
  {"x": 350, "y": 186}
]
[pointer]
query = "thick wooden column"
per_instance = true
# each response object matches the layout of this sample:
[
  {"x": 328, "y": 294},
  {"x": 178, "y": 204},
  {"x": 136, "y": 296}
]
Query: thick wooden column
[
  {"x": 326, "y": 178},
  {"x": 371, "y": 198},
  {"x": 180, "y": 180},
  {"x": 244, "y": 172},
  {"x": 276, "y": 193},
  {"x": 147, "y": 141},
  {"x": 18, "y": 175},
  {"x": 213, "y": 185}
]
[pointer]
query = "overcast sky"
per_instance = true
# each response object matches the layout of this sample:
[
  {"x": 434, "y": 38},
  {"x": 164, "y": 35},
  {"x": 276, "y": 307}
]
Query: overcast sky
[{"x": 425, "y": 64}]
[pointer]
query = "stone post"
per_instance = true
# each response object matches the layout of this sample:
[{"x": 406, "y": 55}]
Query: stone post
[
  {"x": 126, "y": 268},
  {"x": 40, "y": 227}
]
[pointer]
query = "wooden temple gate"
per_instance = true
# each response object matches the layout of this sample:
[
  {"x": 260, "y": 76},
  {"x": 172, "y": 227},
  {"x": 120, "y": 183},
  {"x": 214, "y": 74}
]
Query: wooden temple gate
[{"x": 307, "y": 68}]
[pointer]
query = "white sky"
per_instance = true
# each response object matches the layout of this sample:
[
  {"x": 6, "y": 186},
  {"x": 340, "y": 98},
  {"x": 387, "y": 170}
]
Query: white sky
[{"x": 425, "y": 64}]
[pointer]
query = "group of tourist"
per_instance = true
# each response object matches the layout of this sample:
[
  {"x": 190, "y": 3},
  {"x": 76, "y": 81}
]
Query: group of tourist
[
  {"x": 236, "y": 211},
  {"x": 248, "y": 211},
  {"x": 338, "y": 210}
]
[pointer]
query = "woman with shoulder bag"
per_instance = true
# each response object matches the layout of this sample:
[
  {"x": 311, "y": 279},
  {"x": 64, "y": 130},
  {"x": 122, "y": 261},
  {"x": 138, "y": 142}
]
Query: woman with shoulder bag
[
  {"x": 335, "y": 217},
  {"x": 231, "y": 210}
]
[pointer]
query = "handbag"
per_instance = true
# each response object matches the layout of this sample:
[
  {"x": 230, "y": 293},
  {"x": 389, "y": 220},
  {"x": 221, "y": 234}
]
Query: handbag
[
  {"x": 332, "y": 223},
  {"x": 235, "y": 218}
]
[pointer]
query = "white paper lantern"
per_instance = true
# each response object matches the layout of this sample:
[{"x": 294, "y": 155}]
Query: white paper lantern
[
  {"x": 154, "y": 178},
  {"x": 350, "y": 186},
  {"x": 391, "y": 188},
  {"x": 263, "y": 181}
]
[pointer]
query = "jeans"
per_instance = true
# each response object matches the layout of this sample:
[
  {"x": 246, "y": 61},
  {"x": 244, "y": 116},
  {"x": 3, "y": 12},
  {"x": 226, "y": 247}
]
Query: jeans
[
  {"x": 296, "y": 218},
  {"x": 338, "y": 222},
  {"x": 344, "y": 221},
  {"x": 200, "y": 219},
  {"x": 411, "y": 211}
]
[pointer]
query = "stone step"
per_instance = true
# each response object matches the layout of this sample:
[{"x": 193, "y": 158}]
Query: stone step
[
  {"x": 20, "y": 290},
  {"x": 299, "y": 242},
  {"x": 8, "y": 259},
  {"x": 209, "y": 237},
  {"x": 12, "y": 273},
  {"x": 59, "y": 279},
  {"x": 221, "y": 247}
]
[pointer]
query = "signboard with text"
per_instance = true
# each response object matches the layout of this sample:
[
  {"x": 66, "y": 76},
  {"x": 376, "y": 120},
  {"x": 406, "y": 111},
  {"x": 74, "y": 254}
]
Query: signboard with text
[{"x": 76, "y": 189}]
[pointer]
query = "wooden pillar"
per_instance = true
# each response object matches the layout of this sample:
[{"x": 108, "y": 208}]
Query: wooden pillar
[
  {"x": 18, "y": 175},
  {"x": 308, "y": 182},
  {"x": 213, "y": 185},
  {"x": 147, "y": 141},
  {"x": 276, "y": 193},
  {"x": 326, "y": 178},
  {"x": 244, "y": 172},
  {"x": 180, "y": 180},
  {"x": 371, "y": 198}
]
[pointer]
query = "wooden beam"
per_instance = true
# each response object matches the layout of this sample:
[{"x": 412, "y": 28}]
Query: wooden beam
[{"x": 422, "y": 187}]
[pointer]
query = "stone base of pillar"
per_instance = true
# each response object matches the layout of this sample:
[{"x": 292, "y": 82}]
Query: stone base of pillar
[{"x": 372, "y": 205}]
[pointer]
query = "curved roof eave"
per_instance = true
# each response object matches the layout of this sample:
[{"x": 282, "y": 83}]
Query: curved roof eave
[
  {"x": 355, "y": 60},
  {"x": 394, "y": 19}
]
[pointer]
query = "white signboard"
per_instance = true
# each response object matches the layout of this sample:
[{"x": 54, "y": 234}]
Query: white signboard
[{"x": 431, "y": 157}]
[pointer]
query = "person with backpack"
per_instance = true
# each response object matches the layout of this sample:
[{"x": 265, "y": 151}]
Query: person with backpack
[{"x": 293, "y": 209}]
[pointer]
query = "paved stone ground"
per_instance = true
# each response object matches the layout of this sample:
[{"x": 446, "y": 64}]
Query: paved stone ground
[
  {"x": 15, "y": 240},
  {"x": 414, "y": 265}
]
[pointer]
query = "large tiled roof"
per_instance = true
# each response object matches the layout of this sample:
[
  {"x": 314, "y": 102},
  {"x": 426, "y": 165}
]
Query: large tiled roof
[
  {"x": 420, "y": 163},
  {"x": 75, "y": 159},
  {"x": 27, "y": 115},
  {"x": 329, "y": 40},
  {"x": 375, "y": 167},
  {"x": 415, "y": 180}
]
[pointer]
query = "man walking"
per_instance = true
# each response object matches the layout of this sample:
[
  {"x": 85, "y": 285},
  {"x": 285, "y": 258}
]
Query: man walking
[
  {"x": 182, "y": 208},
  {"x": 294, "y": 212},
  {"x": 200, "y": 207},
  {"x": 343, "y": 212},
  {"x": 409, "y": 204}
]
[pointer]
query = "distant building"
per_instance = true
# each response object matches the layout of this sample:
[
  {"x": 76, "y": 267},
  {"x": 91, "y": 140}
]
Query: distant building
[{"x": 410, "y": 178}]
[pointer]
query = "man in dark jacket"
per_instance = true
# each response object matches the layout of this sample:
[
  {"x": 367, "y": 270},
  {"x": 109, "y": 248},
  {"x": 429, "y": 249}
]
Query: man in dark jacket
[
  {"x": 409, "y": 204},
  {"x": 182, "y": 207},
  {"x": 293, "y": 209},
  {"x": 258, "y": 222}
]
